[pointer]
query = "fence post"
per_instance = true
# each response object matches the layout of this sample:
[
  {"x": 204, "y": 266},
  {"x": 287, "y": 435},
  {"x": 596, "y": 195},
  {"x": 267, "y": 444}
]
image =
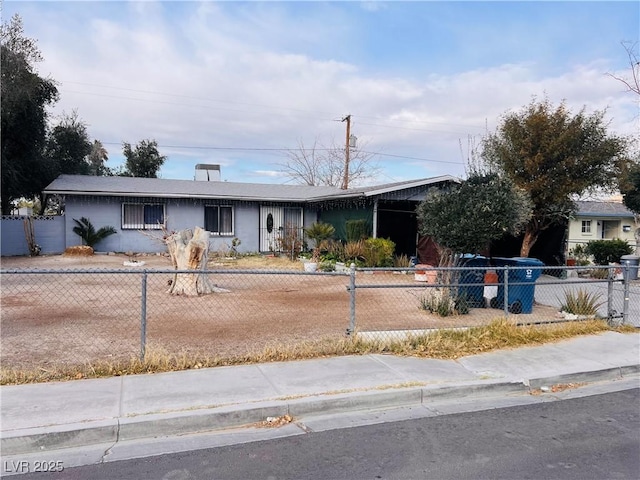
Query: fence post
[
  {"x": 506, "y": 290},
  {"x": 626, "y": 275},
  {"x": 352, "y": 299},
  {"x": 143, "y": 317},
  {"x": 610, "y": 311}
]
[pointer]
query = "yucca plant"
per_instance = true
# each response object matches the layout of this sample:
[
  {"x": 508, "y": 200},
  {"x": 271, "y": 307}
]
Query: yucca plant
[
  {"x": 87, "y": 232},
  {"x": 581, "y": 302}
]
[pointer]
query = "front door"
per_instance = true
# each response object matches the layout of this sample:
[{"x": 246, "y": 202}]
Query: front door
[{"x": 275, "y": 222}]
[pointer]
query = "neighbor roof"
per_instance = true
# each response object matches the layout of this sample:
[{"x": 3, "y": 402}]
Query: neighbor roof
[
  {"x": 602, "y": 209},
  {"x": 158, "y": 187}
]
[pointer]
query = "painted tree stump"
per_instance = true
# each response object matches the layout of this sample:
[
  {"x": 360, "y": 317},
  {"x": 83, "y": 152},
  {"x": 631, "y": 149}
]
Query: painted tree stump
[{"x": 189, "y": 250}]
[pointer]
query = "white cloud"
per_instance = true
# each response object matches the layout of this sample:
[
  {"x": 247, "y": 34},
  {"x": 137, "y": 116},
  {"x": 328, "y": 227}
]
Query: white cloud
[{"x": 255, "y": 77}]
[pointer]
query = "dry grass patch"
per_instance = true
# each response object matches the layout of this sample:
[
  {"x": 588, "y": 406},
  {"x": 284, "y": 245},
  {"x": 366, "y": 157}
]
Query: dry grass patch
[
  {"x": 257, "y": 262},
  {"x": 78, "y": 251},
  {"x": 442, "y": 344}
]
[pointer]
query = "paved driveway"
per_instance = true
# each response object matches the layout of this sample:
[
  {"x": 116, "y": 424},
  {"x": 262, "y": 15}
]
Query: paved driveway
[{"x": 550, "y": 291}]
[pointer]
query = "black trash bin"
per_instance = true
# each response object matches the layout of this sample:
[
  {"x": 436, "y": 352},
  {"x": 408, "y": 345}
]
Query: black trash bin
[
  {"x": 521, "y": 283},
  {"x": 472, "y": 279}
]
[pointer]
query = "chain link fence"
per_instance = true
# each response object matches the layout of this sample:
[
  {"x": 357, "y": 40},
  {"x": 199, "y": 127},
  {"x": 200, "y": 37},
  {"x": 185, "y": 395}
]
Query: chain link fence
[{"x": 78, "y": 317}]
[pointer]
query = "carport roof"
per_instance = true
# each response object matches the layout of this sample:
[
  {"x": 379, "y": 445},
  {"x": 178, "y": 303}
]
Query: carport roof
[{"x": 163, "y": 188}]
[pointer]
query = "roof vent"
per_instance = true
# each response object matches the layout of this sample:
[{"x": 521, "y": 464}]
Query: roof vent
[{"x": 207, "y": 173}]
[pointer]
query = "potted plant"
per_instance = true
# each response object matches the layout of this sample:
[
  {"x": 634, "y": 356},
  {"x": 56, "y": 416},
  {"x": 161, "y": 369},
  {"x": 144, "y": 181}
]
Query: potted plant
[{"x": 318, "y": 232}]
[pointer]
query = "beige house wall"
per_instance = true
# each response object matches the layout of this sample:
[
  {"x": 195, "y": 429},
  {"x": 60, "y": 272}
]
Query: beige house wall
[{"x": 606, "y": 228}]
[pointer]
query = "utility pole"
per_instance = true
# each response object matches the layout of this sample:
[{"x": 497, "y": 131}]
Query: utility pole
[{"x": 345, "y": 179}]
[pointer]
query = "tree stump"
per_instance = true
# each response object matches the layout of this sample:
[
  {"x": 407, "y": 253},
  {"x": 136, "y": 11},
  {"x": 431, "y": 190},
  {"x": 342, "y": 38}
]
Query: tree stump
[{"x": 190, "y": 251}]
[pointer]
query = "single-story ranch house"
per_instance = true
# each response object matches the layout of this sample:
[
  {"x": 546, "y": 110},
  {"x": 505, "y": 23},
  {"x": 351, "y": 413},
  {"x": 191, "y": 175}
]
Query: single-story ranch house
[
  {"x": 601, "y": 221},
  {"x": 139, "y": 208}
]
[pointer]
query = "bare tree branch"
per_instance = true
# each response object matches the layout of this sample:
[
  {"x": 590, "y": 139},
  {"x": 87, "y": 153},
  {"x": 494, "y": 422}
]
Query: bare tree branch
[
  {"x": 633, "y": 83},
  {"x": 321, "y": 165}
]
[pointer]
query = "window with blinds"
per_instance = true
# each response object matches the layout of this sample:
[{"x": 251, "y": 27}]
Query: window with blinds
[
  {"x": 218, "y": 219},
  {"x": 141, "y": 216}
]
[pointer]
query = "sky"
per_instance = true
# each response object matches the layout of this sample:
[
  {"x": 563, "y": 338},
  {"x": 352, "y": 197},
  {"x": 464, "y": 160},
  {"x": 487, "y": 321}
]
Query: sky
[{"x": 240, "y": 84}]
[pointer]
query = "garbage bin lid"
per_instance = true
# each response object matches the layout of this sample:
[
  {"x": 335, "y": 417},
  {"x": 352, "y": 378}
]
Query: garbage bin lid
[
  {"x": 630, "y": 257},
  {"x": 526, "y": 261}
]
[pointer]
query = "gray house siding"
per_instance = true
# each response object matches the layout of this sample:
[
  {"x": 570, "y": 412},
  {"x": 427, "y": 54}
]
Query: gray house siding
[
  {"x": 255, "y": 206},
  {"x": 180, "y": 214},
  {"x": 49, "y": 234}
]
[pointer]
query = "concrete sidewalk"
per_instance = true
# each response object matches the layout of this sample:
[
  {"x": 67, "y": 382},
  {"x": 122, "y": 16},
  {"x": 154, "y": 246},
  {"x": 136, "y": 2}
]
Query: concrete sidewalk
[{"x": 74, "y": 414}]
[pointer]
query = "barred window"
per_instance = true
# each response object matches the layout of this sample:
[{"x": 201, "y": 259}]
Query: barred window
[
  {"x": 142, "y": 216},
  {"x": 218, "y": 219},
  {"x": 586, "y": 226}
]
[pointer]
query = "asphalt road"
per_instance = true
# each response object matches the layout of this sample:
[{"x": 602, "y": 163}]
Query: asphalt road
[{"x": 595, "y": 437}]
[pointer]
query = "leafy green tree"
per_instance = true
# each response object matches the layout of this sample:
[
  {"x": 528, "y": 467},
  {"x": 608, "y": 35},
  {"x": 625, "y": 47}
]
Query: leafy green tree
[
  {"x": 68, "y": 147},
  {"x": 469, "y": 216},
  {"x": 630, "y": 189},
  {"x": 554, "y": 155},
  {"x": 144, "y": 160},
  {"x": 24, "y": 97},
  {"x": 87, "y": 232}
]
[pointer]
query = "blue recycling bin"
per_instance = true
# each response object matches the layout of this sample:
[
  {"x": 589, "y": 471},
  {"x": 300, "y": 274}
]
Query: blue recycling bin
[
  {"x": 521, "y": 283},
  {"x": 471, "y": 281}
]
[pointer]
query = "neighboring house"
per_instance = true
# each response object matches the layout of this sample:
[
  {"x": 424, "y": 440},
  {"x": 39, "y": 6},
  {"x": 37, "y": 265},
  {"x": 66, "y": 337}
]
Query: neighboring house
[
  {"x": 601, "y": 220},
  {"x": 141, "y": 209}
]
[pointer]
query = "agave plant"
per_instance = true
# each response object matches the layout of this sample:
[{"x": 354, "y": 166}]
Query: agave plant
[
  {"x": 87, "y": 232},
  {"x": 581, "y": 302}
]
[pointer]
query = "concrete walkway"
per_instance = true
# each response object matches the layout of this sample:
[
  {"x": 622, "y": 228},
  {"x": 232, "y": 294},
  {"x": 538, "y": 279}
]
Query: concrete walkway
[{"x": 41, "y": 418}]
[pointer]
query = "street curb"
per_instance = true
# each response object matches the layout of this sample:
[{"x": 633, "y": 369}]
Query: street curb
[
  {"x": 198, "y": 421},
  {"x": 112, "y": 431},
  {"x": 607, "y": 374},
  {"x": 152, "y": 425},
  {"x": 73, "y": 435}
]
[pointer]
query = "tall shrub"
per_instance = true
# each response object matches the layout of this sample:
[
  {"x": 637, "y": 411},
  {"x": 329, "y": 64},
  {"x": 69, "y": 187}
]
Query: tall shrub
[
  {"x": 605, "y": 252},
  {"x": 356, "y": 230}
]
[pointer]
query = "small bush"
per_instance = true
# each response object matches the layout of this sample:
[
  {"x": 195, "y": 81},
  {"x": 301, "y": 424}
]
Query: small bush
[
  {"x": 402, "y": 261},
  {"x": 605, "y": 252},
  {"x": 87, "y": 232},
  {"x": 378, "y": 252},
  {"x": 581, "y": 302},
  {"x": 580, "y": 254},
  {"x": 354, "y": 251},
  {"x": 291, "y": 241},
  {"x": 327, "y": 266},
  {"x": 442, "y": 302},
  {"x": 356, "y": 230},
  {"x": 599, "y": 273}
]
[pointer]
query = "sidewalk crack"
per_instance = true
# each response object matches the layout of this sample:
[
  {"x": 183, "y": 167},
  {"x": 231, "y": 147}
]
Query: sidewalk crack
[{"x": 107, "y": 451}]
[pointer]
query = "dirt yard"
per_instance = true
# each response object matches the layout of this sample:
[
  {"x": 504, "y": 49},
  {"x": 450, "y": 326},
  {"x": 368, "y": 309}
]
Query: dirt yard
[{"x": 77, "y": 318}]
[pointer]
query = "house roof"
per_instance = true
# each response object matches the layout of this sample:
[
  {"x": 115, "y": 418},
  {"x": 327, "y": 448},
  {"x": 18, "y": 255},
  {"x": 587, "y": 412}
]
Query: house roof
[
  {"x": 163, "y": 188},
  {"x": 602, "y": 209}
]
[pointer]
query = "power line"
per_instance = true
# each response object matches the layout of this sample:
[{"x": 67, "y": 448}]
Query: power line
[
  {"x": 287, "y": 150},
  {"x": 253, "y": 105}
]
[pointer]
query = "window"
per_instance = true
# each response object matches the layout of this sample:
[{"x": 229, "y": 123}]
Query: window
[
  {"x": 586, "y": 226},
  {"x": 142, "y": 216},
  {"x": 218, "y": 219}
]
